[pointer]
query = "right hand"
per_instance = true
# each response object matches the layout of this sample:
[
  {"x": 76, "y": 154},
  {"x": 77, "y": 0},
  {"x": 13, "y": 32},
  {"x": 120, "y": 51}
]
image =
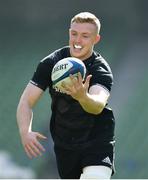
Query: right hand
[{"x": 32, "y": 146}]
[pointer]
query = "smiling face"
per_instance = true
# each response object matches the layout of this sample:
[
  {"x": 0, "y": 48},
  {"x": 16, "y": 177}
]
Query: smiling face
[{"x": 82, "y": 38}]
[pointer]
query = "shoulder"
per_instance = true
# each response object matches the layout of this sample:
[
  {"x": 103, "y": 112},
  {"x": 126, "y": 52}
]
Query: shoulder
[
  {"x": 101, "y": 72},
  {"x": 42, "y": 74},
  {"x": 101, "y": 62},
  {"x": 56, "y": 55}
]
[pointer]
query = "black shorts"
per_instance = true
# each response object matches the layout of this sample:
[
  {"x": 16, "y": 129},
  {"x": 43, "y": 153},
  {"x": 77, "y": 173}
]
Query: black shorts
[{"x": 71, "y": 162}]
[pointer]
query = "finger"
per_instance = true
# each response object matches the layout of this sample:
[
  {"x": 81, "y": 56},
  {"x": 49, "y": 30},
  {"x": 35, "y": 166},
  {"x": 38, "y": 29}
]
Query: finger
[
  {"x": 67, "y": 92},
  {"x": 80, "y": 80},
  {"x": 87, "y": 81},
  {"x": 66, "y": 87},
  {"x": 74, "y": 79},
  {"x": 39, "y": 146},
  {"x": 41, "y": 136},
  {"x": 72, "y": 76},
  {"x": 35, "y": 148},
  {"x": 63, "y": 84},
  {"x": 30, "y": 151}
]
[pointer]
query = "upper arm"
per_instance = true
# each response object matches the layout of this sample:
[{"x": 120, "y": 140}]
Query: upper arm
[{"x": 31, "y": 95}]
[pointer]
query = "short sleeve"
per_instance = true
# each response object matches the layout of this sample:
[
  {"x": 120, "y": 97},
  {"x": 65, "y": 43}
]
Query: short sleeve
[
  {"x": 42, "y": 75},
  {"x": 102, "y": 75}
]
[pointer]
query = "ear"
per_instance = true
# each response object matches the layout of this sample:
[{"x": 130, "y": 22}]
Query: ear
[
  {"x": 69, "y": 31},
  {"x": 98, "y": 37}
]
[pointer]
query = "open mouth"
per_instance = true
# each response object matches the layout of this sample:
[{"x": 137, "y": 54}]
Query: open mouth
[{"x": 77, "y": 47}]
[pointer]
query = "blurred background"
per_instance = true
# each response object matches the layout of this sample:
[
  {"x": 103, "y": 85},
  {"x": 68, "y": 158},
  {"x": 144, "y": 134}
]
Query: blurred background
[{"x": 29, "y": 31}]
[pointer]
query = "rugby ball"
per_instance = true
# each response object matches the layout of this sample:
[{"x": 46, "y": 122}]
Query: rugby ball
[{"x": 63, "y": 68}]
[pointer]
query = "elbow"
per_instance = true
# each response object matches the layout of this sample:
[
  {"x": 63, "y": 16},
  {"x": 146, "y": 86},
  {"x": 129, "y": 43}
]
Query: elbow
[
  {"x": 23, "y": 107},
  {"x": 98, "y": 109},
  {"x": 20, "y": 109}
]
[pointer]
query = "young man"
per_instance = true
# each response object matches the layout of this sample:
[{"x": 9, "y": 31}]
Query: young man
[{"x": 82, "y": 124}]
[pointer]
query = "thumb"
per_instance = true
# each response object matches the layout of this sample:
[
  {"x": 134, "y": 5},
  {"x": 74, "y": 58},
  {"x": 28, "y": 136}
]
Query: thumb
[{"x": 41, "y": 136}]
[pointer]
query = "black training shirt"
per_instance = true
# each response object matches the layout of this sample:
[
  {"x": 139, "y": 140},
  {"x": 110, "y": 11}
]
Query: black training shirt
[{"x": 70, "y": 125}]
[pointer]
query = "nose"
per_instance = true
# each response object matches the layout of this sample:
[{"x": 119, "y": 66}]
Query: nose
[{"x": 78, "y": 39}]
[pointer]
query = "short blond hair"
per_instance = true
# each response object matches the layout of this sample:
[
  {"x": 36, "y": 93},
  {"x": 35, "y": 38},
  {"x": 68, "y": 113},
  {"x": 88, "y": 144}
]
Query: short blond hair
[{"x": 87, "y": 17}]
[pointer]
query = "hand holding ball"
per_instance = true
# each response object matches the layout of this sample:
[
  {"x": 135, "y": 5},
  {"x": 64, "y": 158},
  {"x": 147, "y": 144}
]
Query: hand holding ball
[{"x": 62, "y": 70}]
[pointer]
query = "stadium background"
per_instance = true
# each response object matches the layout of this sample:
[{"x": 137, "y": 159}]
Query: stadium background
[{"x": 30, "y": 30}]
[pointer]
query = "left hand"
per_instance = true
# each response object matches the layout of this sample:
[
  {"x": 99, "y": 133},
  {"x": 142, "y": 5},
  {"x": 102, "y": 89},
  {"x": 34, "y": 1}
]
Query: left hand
[{"x": 77, "y": 89}]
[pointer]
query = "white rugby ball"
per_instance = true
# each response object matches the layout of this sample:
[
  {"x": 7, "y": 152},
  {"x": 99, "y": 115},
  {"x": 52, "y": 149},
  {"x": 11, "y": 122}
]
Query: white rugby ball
[{"x": 63, "y": 68}]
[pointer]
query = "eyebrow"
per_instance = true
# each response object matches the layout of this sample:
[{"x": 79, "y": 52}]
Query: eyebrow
[{"x": 82, "y": 32}]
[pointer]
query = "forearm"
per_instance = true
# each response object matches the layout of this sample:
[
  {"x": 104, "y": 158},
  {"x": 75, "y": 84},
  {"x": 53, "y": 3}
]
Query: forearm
[
  {"x": 24, "y": 117},
  {"x": 92, "y": 103}
]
